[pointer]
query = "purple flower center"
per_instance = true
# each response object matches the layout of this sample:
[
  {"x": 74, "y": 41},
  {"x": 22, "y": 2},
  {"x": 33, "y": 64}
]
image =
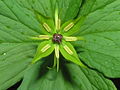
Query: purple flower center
[{"x": 57, "y": 38}]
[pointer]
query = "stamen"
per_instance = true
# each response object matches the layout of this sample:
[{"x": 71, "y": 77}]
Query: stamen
[
  {"x": 45, "y": 48},
  {"x": 45, "y": 25},
  {"x": 57, "y": 20},
  {"x": 69, "y": 26},
  {"x": 68, "y": 49},
  {"x": 58, "y": 24},
  {"x": 41, "y": 37},
  {"x": 70, "y": 38},
  {"x": 44, "y": 36}
]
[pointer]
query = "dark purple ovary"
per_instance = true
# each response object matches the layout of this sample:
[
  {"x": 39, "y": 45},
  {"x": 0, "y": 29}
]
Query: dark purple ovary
[{"x": 57, "y": 38}]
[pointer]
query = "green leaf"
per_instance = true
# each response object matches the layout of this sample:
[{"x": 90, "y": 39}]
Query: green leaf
[
  {"x": 102, "y": 33},
  {"x": 11, "y": 11},
  {"x": 45, "y": 7},
  {"x": 68, "y": 9},
  {"x": 14, "y": 60},
  {"x": 16, "y": 49},
  {"x": 18, "y": 22},
  {"x": 69, "y": 53},
  {"x": 69, "y": 77},
  {"x": 93, "y": 5},
  {"x": 44, "y": 49}
]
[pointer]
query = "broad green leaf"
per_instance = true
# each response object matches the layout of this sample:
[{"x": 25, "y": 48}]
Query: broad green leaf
[
  {"x": 102, "y": 33},
  {"x": 69, "y": 53},
  {"x": 69, "y": 77},
  {"x": 18, "y": 22},
  {"x": 68, "y": 9},
  {"x": 16, "y": 49},
  {"x": 11, "y": 11},
  {"x": 14, "y": 60},
  {"x": 90, "y": 6},
  {"x": 44, "y": 49},
  {"x": 45, "y": 7}
]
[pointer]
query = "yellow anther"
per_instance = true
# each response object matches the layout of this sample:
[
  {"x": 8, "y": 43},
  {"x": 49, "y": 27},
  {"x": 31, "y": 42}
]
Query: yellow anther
[
  {"x": 44, "y": 37},
  {"x": 69, "y": 26},
  {"x": 45, "y": 25},
  {"x": 67, "y": 49},
  {"x": 41, "y": 37},
  {"x": 45, "y": 48},
  {"x": 57, "y": 20},
  {"x": 58, "y": 24},
  {"x": 70, "y": 38}
]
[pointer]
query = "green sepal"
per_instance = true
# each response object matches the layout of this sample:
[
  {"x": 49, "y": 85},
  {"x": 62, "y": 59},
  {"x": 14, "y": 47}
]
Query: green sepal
[
  {"x": 42, "y": 19},
  {"x": 73, "y": 57},
  {"x": 40, "y": 54},
  {"x": 77, "y": 25}
]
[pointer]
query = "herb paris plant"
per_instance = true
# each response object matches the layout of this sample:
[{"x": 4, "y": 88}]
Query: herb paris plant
[
  {"x": 57, "y": 39},
  {"x": 21, "y": 19}
]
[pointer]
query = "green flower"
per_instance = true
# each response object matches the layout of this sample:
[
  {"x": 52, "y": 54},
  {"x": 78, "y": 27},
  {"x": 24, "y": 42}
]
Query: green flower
[{"x": 57, "y": 38}]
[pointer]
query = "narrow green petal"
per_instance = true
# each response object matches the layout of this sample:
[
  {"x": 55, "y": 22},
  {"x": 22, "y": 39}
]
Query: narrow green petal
[
  {"x": 73, "y": 38},
  {"x": 56, "y": 15},
  {"x": 69, "y": 53},
  {"x": 44, "y": 49},
  {"x": 41, "y": 37},
  {"x": 70, "y": 38},
  {"x": 44, "y": 36},
  {"x": 59, "y": 24},
  {"x": 57, "y": 51},
  {"x": 56, "y": 57},
  {"x": 80, "y": 38},
  {"x": 57, "y": 20}
]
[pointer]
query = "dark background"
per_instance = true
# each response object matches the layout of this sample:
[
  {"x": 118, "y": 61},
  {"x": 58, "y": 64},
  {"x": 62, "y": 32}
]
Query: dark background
[{"x": 116, "y": 82}]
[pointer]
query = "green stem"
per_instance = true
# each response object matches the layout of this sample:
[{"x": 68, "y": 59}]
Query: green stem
[
  {"x": 57, "y": 64},
  {"x": 55, "y": 61}
]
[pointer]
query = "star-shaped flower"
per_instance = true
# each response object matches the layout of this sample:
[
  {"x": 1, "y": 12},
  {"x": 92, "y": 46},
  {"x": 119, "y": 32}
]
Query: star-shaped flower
[{"x": 57, "y": 38}]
